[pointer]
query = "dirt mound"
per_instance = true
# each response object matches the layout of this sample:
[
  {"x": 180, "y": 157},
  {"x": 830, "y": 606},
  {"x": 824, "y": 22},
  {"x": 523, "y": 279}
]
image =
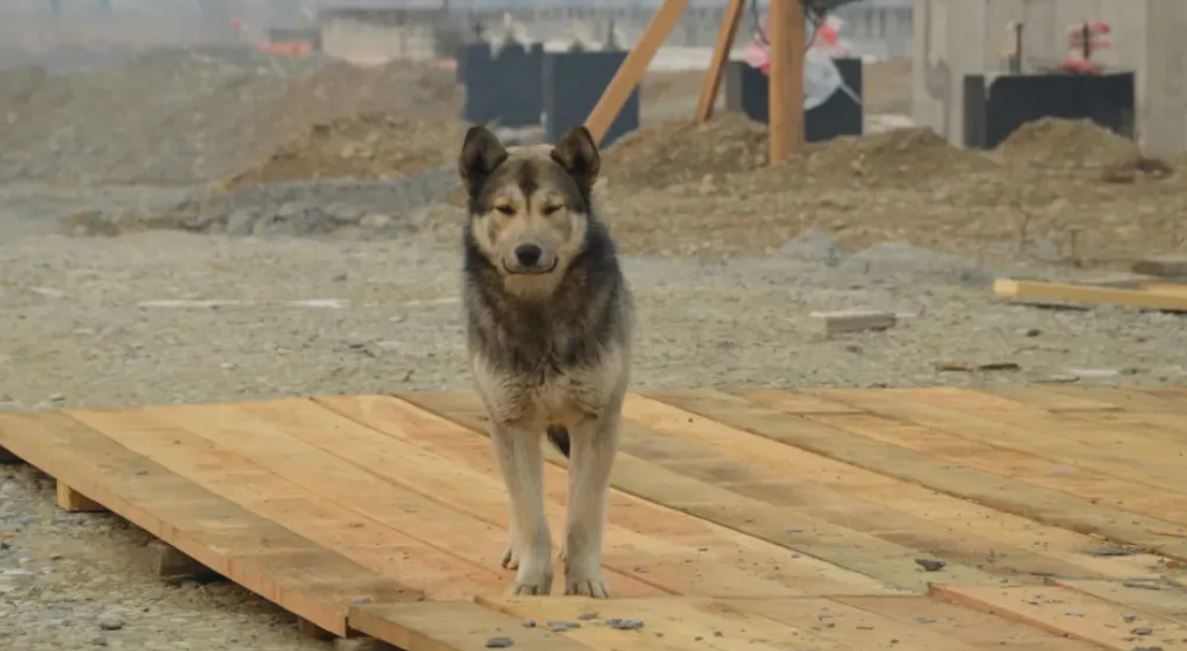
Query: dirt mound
[
  {"x": 1058, "y": 143},
  {"x": 369, "y": 147},
  {"x": 681, "y": 152},
  {"x": 185, "y": 116},
  {"x": 902, "y": 155}
]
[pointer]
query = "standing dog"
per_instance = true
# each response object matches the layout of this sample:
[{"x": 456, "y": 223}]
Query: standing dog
[{"x": 548, "y": 331}]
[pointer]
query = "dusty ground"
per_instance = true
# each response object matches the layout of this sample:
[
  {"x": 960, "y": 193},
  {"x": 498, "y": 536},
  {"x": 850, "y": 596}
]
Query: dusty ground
[{"x": 168, "y": 316}]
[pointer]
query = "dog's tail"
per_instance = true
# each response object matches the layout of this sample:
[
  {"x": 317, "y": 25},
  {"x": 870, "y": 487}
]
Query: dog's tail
[{"x": 559, "y": 437}]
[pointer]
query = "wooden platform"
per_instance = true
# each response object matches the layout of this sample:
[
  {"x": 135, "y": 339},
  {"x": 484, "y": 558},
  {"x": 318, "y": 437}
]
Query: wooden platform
[{"x": 759, "y": 519}]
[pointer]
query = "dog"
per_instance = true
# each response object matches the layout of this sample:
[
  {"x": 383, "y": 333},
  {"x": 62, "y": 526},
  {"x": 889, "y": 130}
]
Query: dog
[{"x": 549, "y": 319}]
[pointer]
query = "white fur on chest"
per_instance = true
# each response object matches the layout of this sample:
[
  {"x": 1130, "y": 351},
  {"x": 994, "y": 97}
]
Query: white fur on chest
[{"x": 557, "y": 399}]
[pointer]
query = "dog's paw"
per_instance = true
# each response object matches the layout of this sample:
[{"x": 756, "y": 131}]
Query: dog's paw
[
  {"x": 586, "y": 586},
  {"x": 510, "y": 558},
  {"x": 532, "y": 583}
]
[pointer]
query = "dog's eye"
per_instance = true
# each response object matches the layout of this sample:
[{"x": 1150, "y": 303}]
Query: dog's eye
[
  {"x": 505, "y": 209},
  {"x": 552, "y": 208}
]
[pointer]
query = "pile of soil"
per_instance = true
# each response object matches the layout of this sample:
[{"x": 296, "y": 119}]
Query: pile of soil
[
  {"x": 368, "y": 147},
  {"x": 681, "y": 152},
  {"x": 1068, "y": 144},
  {"x": 671, "y": 192},
  {"x": 900, "y": 156},
  {"x": 189, "y": 116}
]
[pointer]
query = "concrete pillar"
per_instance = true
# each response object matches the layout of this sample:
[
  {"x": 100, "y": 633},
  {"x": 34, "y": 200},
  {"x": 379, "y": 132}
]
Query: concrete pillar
[{"x": 1163, "y": 116}]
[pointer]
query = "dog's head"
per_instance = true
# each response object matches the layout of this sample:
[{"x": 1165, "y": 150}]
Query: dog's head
[{"x": 529, "y": 208}]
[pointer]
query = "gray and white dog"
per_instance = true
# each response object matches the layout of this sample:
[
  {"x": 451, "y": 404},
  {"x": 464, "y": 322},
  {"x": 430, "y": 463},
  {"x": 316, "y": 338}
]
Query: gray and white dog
[{"x": 548, "y": 330}]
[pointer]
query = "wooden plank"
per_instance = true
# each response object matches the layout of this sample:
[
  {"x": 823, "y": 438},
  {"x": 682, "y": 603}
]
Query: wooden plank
[
  {"x": 660, "y": 545},
  {"x": 74, "y": 501},
  {"x": 1070, "y": 613},
  {"x": 263, "y": 557},
  {"x": 721, "y": 53},
  {"x": 794, "y": 402},
  {"x": 452, "y": 626},
  {"x": 786, "y": 99},
  {"x": 269, "y": 473},
  {"x": 1045, "y": 397},
  {"x": 1032, "y": 290},
  {"x": 1162, "y": 600},
  {"x": 631, "y": 71},
  {"x": 1097, "y": 488},
  {"x": 846, "y": 624},
  {"x": 1156, "y": 464},
  {"x": 910, "y": 514},
  {"x": 837, "y": 323},
  {"x": 669, "y": 624},
  {"x": 1041, "y": 505},
  {"x": 782, "y": 521},
  {"x": 971, "y": 627},
  {"x": 1135, "y": 399},
  {"x": 169, "y": 562},
  {"x": 1171, "y": 265}
]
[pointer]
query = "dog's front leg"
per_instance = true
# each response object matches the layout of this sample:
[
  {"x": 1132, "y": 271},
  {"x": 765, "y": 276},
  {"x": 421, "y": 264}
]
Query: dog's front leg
[
  {"x": 518, "y": 451},
  {"x": 592, "y": 447}
]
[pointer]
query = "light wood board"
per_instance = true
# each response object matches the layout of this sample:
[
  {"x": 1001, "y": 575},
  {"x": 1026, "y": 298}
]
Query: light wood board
[{"x": 747, "y": 519}]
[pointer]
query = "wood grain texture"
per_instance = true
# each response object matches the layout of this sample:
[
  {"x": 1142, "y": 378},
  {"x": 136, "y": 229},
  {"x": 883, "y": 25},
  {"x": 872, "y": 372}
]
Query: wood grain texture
[
  {"x": 721, "y": 53},
  {"x": 265, "y": 557},
  {"x": 631, "y": 71}
]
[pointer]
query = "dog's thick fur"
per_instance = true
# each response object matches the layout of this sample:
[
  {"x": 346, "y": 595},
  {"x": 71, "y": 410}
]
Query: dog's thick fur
[{"x": 549, "y": 341}]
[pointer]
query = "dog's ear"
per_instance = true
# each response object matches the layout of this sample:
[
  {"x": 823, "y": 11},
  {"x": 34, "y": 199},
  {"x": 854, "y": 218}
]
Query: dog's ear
[
  {"x": 578, "y": 154},
  {"x": 481, "y": 154}
]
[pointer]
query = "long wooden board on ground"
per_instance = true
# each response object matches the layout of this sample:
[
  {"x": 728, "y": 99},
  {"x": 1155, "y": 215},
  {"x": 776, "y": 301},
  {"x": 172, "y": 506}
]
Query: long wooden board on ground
[
  {"x": 1170, "y": 297},
  {"x": 759, "y": 519}
]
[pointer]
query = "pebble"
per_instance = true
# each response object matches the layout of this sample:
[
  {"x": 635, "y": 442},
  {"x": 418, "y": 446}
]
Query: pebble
[
  {"x": 930, "y": 565},
  {"x": 561, "y": 627},
  {"x": 1142, "y": 630},
  {"x": 529, "y": 623},
  {"x": 111, "y": 623},
  {"x": 1129, "y": 618},
  {"x": 585, "y": 617},
  {"x": 499, "y": 643},
  {"x": 626, "y": 624}
]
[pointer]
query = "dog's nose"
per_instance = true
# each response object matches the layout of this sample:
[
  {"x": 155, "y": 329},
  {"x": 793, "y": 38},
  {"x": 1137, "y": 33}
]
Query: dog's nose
[{"x": 528, "y": 254}]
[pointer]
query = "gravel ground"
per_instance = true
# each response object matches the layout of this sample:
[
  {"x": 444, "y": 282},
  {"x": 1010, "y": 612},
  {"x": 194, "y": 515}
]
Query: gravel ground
[{"x": 166, "y": 316}]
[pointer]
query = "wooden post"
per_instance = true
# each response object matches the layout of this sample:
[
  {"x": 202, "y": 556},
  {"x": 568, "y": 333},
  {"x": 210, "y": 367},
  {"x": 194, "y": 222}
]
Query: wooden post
[
  {"x": 721, "y": 54},
  {"x": 632, "y": 69},
  {"x": 74, "y": 501},
  {"x": 786, "y": 121}
]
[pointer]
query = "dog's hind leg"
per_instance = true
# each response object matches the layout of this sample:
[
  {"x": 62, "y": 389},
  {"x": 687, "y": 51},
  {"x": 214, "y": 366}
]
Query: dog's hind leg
[
  {"x": 520, "y": 459},
  {"x": 592, "y": 448}
]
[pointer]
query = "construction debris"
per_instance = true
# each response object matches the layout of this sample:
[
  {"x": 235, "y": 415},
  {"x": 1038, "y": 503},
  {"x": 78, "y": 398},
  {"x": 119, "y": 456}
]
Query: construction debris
[
  {"x": 1167, "y": 266},
  {"x": 1167, "y": 296},
  {"x": 930, "y": 565},
  {"x": 855, "y": 321}
]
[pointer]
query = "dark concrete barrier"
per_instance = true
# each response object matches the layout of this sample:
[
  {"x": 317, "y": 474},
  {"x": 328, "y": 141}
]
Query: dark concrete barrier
[
  {"x": 573, "y": 83},
  {"x": 747, "y": 90},
  {"x": 995, "y": 109},
  {"x": 506, "y": 89}
]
